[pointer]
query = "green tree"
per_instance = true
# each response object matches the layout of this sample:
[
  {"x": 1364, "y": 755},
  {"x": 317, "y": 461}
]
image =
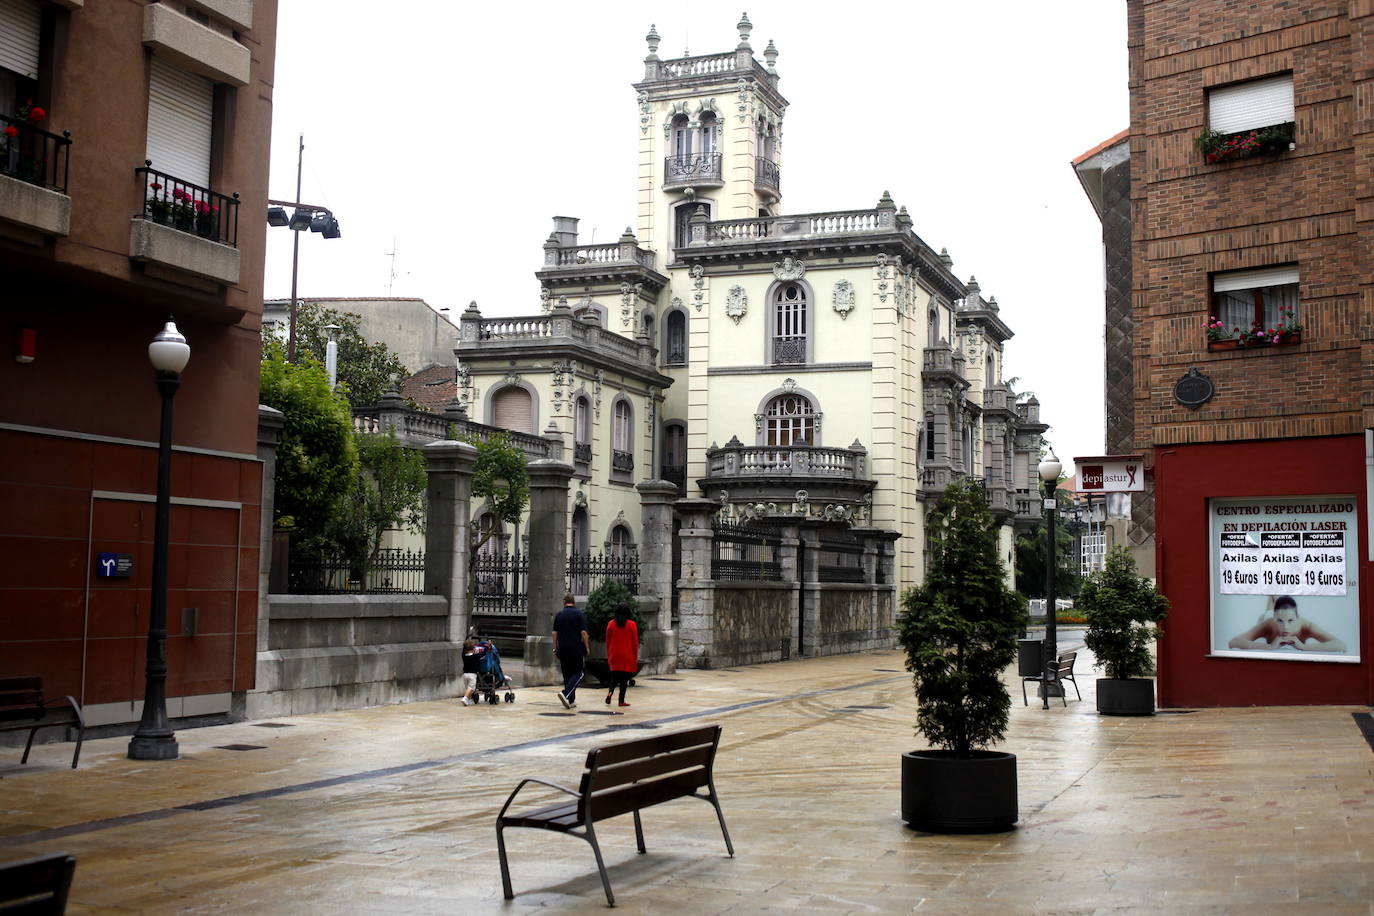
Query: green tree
[
  {"x": 365, "y": 370},
  {"x": 317, "y": 460},
  {"x": 1030, "y": 556},
  {"x": 1123, "y": 610},
  {"x": 501, "y": 479},
  {"x": 601, "y": 605},
  {"x": 959, "y": 627},
  {"x": 388, "y": 492}
]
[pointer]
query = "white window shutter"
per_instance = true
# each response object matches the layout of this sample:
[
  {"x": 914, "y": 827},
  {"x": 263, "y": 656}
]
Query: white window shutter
[
  {"x": 1254, "y": 279},
  {"x": 180, "y": 115},
  {"x": 1247, "y": 106},
  {"x": 511, "y": 409},
  {"x": 19, "y": 26}
]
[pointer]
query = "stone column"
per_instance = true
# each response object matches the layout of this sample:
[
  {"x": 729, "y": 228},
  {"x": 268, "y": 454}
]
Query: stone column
[
  {"x": 270, "y": 422},
  {"x": 696, "y": 589},
  {"x": 658, "y": 643},
  {"x": 447, "y": 536},
  {"x": 548, "y": 579},
  {"x": 788, "y": 552},
  {"x": 809, "y": 578}
]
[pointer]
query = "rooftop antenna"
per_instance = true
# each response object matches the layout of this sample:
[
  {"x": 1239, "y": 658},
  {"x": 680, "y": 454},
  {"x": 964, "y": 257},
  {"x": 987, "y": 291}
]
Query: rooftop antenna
[{"x": 391, "y": 275}]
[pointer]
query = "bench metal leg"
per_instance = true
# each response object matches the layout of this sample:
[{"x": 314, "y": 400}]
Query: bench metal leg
[
  {"x": 1024, "y": 701},
  {"x": 80, "y": 736},
  {"x": 639, "y": 833},
  {"x": 29, "y": 745},
  {"x": 1074, "y": 681},
  {"x": 720, "y": 815},
  {"x": 505, "y": 869},
  {"x": 600, "y": 865}
]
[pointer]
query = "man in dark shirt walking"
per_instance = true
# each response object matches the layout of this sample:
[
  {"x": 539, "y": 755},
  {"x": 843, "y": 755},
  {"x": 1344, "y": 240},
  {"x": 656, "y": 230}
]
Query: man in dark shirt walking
[{"x": 571, "y": 645}]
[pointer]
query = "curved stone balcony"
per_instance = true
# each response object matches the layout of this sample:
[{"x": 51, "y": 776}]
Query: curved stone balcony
[{"x": 802, "y": 479}]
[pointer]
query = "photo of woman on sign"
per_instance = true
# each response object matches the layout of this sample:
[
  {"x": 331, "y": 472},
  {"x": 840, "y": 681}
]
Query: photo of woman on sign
[{"x": 1280, "y": 626}]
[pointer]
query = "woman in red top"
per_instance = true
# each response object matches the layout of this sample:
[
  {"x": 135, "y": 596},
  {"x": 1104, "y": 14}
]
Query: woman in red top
[{"x": 622, "y": 651}]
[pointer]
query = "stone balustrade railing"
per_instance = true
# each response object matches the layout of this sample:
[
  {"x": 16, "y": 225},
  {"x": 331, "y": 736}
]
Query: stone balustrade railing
[
  {"x": 529, "y": 328},
  {"x": 416, "y": 427},
  {"x": 797, "y": 226},
  {"x": 613, "y": 253},
  {"x": 938, "y": 359},
  {"x": 796, "y": 461},
  {"x": 699, "y": 66},
  {"x": 474, "y": 329}
]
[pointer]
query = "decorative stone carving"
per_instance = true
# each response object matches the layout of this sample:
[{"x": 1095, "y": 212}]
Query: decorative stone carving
[
  {"x": 698, "y": 275},
  {"x": 789, "y": 385},
  {"x": 801, "y": 503},
  {"x": 746, "y": 97},
  {"x": 644, "y": 112},
  {"x": 675, "y": 304},
  {"x": 651, "y": 415},
  {"x": 465, "y": 393},
  {"x": 544, "y": 294},
  {"x": 512, "y": 377},
  {"x": 561, "y": 376},
  {"x": 629, "y": 303},
  {"x": 884, "y": 275},
  {"x": 598, "y": 377},
  {"x": 790, "y": 269},
  {"x": 736, "y": 304},
  {"x": 844, "y": 298},
  {"x": 580, "y": 500}
]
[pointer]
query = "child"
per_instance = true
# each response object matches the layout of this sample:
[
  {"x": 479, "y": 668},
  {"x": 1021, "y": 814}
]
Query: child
[
  {"x": 472, "y": 661},
  {"x": 622, "y": 651},
  {"x": 1283, "y": 627}
]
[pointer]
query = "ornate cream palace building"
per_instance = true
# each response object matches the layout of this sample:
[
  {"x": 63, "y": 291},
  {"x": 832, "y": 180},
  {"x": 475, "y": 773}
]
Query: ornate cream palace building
[{"x": 823, "y": 364}]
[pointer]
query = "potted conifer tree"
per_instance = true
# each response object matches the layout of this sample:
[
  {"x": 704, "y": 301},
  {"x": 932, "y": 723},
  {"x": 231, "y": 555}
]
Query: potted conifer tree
[
  {"x": 599, "y": 610},
  {"x": 1123, "y": 611},
  {"x": 959, "y": 630}
]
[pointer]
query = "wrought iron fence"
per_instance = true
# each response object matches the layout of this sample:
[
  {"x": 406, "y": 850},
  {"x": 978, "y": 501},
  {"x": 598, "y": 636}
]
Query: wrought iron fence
[
  {"x": 766, "y": 174},
  {"x": 840, "y": 558},
  {"x": 746, "y": 553},
  {"x": 500, "y": 584},
  {"x": 32, "y": 154},
  {"x": 391, "y": 572},
  {"x": 587, "y": 571},
  {"x": 789, "y": 350},
  {"x": 189, "y": 207},
  {"x": 690, "y": 167}
]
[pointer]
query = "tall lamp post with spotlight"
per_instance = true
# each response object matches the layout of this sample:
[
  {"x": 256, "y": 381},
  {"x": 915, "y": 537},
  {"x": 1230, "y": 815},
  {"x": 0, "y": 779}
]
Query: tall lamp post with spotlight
[
  {"x": 1049, "y": 473},
  {"x": 154, "y": 740},
  {"x": 303, "y": 217}
]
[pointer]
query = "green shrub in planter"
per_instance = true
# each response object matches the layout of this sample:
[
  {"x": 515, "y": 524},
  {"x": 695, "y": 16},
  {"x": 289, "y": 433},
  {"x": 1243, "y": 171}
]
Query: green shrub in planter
[
  {"x": 601, "y": 604},
  {"x": 1123, "y": 612}
]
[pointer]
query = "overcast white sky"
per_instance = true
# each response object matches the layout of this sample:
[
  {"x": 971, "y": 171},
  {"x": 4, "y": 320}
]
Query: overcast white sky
[{"x": 451, "y": 133}]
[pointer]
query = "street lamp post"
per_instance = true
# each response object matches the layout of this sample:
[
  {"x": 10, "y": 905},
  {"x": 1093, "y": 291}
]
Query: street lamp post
[
  {"x": 331, "y": 353},
  {"x": 1049, "y": 473},
  {"x": 154, "y": 740},
  {"x": 303, "y": 217}
]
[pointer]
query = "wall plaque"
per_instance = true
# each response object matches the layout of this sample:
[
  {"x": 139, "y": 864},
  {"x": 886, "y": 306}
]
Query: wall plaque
[{"x": 1194, "y": 389}]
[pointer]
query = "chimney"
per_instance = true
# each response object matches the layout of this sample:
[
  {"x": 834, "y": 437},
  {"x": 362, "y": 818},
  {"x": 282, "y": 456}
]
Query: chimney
[{"x": 565, "y": 231}]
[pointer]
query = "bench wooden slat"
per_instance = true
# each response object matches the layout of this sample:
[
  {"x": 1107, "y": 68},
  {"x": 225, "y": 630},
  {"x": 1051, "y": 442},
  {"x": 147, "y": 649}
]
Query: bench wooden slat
[
  {"x": 608, "y": 777},
  {"x": 22, "y": 708},
  {"x": 37, "y": 885},
  {"x": 645, "y": 794},
  {"x": 646, "y": 747}
]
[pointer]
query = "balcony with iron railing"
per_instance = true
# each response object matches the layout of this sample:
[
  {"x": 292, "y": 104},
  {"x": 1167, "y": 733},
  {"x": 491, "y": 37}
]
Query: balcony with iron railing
[
  {"x": 34, "y": 164},
  {"x": 789, "y": 351},
  {"x": 186, "y": 227},
  {"x": 767, "y": 179},
  {"x": 582, "y": 452},
  {"x": 692, "y": 170}
]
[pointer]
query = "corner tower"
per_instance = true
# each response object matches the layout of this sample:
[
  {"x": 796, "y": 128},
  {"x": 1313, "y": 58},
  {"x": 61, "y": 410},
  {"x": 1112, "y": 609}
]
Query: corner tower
[{"x": 710, "y": 136}]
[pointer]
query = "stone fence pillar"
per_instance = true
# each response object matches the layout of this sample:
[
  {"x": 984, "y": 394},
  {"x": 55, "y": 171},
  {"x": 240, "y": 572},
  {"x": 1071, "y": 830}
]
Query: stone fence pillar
[
  {"x": 548, "y": 577},
  {"x": 270, "y": 423},
  {"x": 658, "y": 644},
  {"x": 447, "y": 525},
  {"x": 696, "y": 589},
  {"x": 808, "y": 578}
]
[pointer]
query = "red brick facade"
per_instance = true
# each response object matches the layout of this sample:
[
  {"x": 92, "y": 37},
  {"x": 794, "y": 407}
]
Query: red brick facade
[{"x": 1312, "y": 206}]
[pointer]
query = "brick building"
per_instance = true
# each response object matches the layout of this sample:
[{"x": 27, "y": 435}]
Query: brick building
[
  {"x": 138, "y": 192},
  {"x": 1252, "y": 223}
]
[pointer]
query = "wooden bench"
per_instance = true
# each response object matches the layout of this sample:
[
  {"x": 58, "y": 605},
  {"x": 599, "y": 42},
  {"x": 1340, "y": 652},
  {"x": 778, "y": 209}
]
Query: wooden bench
[
  {"x": 22, "y": 707},
  {"x": 1063, "y": 671},
  {"x": 621, "y": 778},
  {"x": 37, "y": 886}
]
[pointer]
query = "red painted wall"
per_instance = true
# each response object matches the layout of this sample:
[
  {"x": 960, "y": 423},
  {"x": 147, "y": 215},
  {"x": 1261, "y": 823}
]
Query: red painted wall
[{"x": 1185, "y": 478}]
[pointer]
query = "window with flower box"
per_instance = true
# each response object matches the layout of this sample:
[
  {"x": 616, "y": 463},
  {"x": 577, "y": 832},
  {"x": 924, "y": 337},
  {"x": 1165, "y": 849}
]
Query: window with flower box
[
  {"x": 1256, "y": 307},
  {"x": 1253, "y": 118}
]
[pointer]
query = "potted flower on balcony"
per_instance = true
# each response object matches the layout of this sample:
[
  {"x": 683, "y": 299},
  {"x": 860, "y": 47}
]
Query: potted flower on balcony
[
  {"x": 959, "y": 629},
  {"x": 158, "y": 207},
  {"x": 1219, "y": 147},
  {"x": 207, "y": 219},
  {"x": 1123, "y": 611}
]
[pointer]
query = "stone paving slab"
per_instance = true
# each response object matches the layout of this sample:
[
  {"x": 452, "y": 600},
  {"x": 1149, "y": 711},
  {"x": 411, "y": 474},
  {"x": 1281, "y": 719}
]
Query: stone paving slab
[{"x": 391, "y": 809}]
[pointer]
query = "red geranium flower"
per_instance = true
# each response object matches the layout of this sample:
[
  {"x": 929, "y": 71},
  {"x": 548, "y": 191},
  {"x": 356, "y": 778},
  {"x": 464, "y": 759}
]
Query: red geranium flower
[
  {"x": 155, "y": 186},
  {"x": 37, "y": 114},
  {"x": 11, "y": 130}
]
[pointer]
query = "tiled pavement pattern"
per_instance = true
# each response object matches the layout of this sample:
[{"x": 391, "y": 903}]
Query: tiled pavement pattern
[{"x": 391, "y": 810}]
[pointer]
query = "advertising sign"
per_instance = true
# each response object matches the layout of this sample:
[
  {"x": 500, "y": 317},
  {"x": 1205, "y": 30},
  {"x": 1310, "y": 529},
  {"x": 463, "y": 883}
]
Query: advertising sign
[
  {"x": 1112, "y": 474},
  {"x": 1284, "y": 578}
]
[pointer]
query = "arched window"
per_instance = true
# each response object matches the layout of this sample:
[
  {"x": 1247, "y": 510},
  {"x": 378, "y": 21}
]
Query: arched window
[
  {"x": 582, "y": 430},
  {"x": 710, "y": 133},
  {"x": 682, "y": 221},
  {"x": 933, "y": 328},
  {"x": 930, "y": 436},
  {"x": 675, "y": 338},
  {"x": 790, "y": 323},
  {"x": 675, "y": 454},
  {"x": 491, "y": 536},
  {"x": 790, "y": 419},
  {"x": 648, "y": 324},
  {"x": 968, "y": 448},
  {"x": 682, "y": 136},
  {"x": 766, "y": 140},
  {"x": 622, "y": 432},
  {"x": 512, "y": 408},
  {"x": 990, "y": 374},
  {"x": 620, "y": 545}
]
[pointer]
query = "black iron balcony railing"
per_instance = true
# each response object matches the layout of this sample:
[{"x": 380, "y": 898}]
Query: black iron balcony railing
[
  {"x": 34, "y": 155},
  {"x": 677, "y": 352},
  {"x": 691, "y": 168},
  {"x": 766, "y": 177},
  {"x": 622, "y": 461},
  {"x": 789, "y": 351},
  {"x": 189, "y": 207},
  {"x": 582, "y": 451}
]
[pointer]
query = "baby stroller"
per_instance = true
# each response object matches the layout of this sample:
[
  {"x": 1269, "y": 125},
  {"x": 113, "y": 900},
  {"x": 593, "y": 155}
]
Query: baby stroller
[{"x": 490, "y": 678}]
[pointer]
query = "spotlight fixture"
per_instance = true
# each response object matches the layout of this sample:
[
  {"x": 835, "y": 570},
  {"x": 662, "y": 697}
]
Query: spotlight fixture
[
  {"x": 331, "y": 231},
  {"x": 319, "y": 222},
  {"x": 300, "y": 220},
  {"x": 276, "y": 216}
]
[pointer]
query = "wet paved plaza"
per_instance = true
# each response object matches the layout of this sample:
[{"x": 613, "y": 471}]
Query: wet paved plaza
[{"x": 391, "y": 810}]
